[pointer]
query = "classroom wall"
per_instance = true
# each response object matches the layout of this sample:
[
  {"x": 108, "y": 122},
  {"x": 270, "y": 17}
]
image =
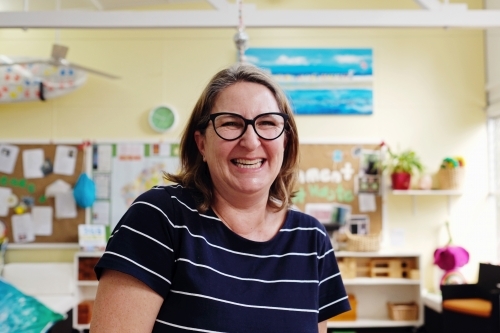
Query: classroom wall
[{"x": 428, "y": 96}]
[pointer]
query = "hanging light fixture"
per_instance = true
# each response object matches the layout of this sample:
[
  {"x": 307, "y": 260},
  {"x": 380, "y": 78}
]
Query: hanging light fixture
[{"x": 241, "y": 37}]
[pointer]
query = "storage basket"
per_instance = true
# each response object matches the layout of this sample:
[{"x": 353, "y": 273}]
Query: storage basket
[
  {"x": 451, "y": 179},
  {"x": 403, "y": 311},
  {"x": 362, "y": 243}
]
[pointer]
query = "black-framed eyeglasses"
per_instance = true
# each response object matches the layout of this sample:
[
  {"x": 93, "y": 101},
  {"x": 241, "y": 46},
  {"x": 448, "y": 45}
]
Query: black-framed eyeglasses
[{"x": 231, "y": 126}]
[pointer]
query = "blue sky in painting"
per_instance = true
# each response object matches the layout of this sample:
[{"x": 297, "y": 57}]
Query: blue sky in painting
[
  {"x": 312, "y": 61},
  {"x": 331, "y": 101},
  {"x": 321, "y": 80}
]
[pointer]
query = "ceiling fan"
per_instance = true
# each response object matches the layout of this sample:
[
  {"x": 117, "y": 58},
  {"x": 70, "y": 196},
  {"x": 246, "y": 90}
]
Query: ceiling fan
[
  {"x": 27, "y": 79},
  {"x": 58, "y": 59}
]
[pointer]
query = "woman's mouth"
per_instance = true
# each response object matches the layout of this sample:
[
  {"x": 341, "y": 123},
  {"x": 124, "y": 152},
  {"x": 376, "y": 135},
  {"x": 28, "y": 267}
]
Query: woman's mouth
[{"x": 248, "y": 164}]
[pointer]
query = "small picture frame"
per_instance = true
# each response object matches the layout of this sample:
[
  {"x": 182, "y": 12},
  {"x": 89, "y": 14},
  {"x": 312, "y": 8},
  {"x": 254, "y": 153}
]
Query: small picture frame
[
  {"x": 367, "y": 184},
  {"x": 359, "y": 224}
]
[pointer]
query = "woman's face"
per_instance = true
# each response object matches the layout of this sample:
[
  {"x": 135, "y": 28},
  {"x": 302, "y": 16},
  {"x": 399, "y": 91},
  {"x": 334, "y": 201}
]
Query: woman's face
[{"x": 249, "y": 164}]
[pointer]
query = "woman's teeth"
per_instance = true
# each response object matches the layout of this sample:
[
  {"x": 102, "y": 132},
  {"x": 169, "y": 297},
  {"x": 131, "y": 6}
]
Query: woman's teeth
[{"x": 248, "y": 164}]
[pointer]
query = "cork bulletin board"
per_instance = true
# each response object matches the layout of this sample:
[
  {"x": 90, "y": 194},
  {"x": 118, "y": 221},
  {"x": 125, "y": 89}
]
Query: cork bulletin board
[
  {"x": 331, "y": 173},
  {"x": 32, "y": 190}
]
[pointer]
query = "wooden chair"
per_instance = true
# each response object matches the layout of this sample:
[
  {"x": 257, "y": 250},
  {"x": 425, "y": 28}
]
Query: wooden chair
[{"x": 473, "y": 307}]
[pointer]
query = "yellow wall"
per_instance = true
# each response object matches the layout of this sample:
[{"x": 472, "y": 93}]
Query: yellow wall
[{"x": 428, "y": 95}]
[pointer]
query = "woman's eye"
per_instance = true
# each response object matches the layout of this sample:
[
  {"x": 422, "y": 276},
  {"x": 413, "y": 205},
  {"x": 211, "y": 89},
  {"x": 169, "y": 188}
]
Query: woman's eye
[
  {"x": 266, "y": 123},
  {"x": 229, "y": 123}
]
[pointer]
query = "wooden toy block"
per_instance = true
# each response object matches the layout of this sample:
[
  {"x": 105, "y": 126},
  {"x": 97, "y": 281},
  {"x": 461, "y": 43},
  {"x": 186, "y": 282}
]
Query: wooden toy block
[
  {"x": 392, "y": 268},
  {"x": 347, "y": 267}
]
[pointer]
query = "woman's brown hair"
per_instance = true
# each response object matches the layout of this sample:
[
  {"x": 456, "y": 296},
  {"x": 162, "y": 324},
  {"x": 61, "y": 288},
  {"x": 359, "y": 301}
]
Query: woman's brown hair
[{"x": 194, "y": 173}]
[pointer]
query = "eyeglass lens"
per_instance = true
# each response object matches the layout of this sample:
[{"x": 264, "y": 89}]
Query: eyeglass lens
[{"x": 231, "y": 126}]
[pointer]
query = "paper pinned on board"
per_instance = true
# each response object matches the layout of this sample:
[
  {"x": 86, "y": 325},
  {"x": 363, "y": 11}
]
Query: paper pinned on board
[
  {"x": 367, "y": 202},
  {"x": 42, "y": 220},
  {"x": 102, "y": 156},
  {"x": 101, "y": 212},
  {"x": 8, "y": 158},
  {"x": 58, "y": 186},
  {"x": 65, "y": 205},
  {"x": 5, "y": 193},
  {"x": 23, "y": 228},
  {"x": 102, "y": 185},
  {"x": 65, "y": 160},
  {"x": 32, "y": 163}
]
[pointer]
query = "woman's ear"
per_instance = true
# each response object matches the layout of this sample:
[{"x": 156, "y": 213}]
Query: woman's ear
[{"x": 200, "y": 142}]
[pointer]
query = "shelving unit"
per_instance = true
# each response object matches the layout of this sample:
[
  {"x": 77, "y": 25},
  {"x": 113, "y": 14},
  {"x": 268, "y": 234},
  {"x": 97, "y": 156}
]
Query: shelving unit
[
  {"x": 373, "y": 293},
  {"x": 86, "y": 286}
]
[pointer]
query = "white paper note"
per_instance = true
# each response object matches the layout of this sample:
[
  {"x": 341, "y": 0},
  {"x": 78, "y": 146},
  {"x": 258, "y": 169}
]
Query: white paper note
[
  {"x": 65, "y": 160},
  {"x": 32, "y": 163},
  {"x": 100, "y": 212},
  {"x": 5, "y": 193},
  {"x": 367, "y": 202},
  {"x": 8, "y": 158},
  {"x": 102, "y": 162},
  {"x": 102, "y": 185},
  {"x": 59, "y": 186},
  {"x": 65, "y": 205},
  {"x": 130, "y": 151},
  {"x": 42, "y": 219},
  {"x": 23, "y": 228},
  {"x": 91, "y": 237},
  {"x": 397, "y": 237}
]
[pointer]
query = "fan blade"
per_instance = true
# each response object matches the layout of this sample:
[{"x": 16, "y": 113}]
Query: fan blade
[
  {"x": 93, "y": 71},
  {"x": 59, "y": 51},
  {"x": 24, "y": 62}
]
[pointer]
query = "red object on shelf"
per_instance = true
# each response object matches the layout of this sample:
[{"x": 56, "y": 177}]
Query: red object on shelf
[{"x": 400, "y": 181}]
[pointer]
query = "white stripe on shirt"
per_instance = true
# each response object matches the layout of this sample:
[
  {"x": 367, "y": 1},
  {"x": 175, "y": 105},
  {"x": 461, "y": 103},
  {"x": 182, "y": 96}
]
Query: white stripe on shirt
[
  {"x": 246, "y": 279},
  {"x": 245, "y": 305},
  {"x": 137, "y": 264}
]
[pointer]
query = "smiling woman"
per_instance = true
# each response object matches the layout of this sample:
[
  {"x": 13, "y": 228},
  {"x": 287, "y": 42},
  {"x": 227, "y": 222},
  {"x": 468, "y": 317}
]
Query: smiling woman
[{"x": 219, "y": 251}]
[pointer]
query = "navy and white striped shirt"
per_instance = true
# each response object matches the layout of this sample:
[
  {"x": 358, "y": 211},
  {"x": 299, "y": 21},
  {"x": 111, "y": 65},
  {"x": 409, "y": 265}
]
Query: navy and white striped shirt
[{"x": 213, "y": 280}]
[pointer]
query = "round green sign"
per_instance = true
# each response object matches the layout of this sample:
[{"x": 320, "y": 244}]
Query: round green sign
[{"x": 162, "y": 118}]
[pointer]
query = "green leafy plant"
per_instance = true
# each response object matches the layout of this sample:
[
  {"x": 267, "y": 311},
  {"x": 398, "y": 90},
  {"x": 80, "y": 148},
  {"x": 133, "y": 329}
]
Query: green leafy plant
[{"x": 405, "y": 162}]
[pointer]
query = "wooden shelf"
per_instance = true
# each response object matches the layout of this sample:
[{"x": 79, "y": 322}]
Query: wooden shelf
[
  {"x": 426, "y": 192},
  {"x": 369, "y": 281},
  {"x": 376, "y": 278},
  {"x": 85, "y": 289},
  {"x": 378, "y": 254},
  {"x": 436, "y": 192}
]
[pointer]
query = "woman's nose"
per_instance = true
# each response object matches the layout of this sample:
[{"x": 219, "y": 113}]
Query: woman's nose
[{"x": 250, "y": 139}]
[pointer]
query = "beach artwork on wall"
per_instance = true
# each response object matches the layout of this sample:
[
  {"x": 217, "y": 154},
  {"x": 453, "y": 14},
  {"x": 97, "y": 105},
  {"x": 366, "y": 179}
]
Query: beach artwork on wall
[{"x": 321, "y": 81}]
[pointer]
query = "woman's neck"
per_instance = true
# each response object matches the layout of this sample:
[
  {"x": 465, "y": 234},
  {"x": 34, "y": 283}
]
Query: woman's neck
[{"x": 257, "y": 221}]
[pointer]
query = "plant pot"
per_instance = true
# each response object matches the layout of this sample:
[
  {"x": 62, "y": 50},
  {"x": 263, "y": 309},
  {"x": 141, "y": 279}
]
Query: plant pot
[{"x": 400, "y": 180}]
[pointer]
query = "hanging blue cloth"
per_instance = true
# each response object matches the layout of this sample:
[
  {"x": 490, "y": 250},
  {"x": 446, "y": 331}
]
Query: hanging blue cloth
[{"x": 84, "y": 191}]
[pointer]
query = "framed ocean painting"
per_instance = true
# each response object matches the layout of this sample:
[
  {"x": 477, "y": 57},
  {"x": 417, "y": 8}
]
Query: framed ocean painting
[{"x": 321, "y": 81}]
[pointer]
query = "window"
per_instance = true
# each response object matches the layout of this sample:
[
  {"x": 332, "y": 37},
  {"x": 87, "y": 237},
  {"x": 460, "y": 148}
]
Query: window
[{"x": 494, "y": 169}]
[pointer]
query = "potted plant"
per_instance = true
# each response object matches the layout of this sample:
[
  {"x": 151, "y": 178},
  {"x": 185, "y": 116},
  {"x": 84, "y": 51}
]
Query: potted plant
[{"x": 401, "y": 167}]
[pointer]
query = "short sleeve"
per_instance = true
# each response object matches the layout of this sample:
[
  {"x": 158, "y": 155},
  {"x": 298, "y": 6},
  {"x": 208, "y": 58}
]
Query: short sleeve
[
  {"x": 141, "y": 244},
  {"x": 332, "y": 294}
]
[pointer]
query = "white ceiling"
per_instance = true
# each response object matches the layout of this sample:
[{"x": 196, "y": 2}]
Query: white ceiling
[{"x": 103, "y": 14}]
